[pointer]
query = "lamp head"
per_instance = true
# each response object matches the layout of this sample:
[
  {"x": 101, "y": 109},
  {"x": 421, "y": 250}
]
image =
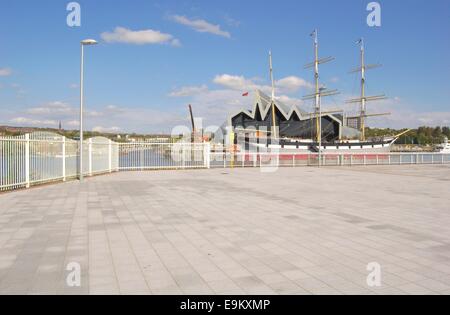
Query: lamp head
[{"x": 87, "y": 42}]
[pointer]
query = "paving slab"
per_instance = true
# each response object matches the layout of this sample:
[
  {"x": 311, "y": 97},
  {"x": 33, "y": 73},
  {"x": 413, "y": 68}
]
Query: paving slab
[{"x": 231, "y": 231}]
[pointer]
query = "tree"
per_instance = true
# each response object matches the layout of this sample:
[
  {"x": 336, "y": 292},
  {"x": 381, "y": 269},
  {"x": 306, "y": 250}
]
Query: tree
[
  {"x": 446, "y": 131},
  {"x": 437, "y": 132}
]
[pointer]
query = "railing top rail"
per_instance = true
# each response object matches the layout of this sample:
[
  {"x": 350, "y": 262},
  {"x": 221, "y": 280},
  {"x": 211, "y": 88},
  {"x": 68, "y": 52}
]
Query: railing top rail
[
  {"x": 161, "y": 143},
  {"x": 45, "y": 135},
  {"x": 332, "y": 154},
  {"x": 98, "y": 140},
  {"x": 12, "y": 138}
]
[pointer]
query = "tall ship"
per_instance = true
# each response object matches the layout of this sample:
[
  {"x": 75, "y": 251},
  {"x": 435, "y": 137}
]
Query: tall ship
[{"x": 272, "y": 125}]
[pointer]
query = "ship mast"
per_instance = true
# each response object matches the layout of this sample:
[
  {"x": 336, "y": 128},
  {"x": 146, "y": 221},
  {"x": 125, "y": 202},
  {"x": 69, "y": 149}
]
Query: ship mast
[
  {"x": 317, "y": 108},
  {"x": 363, "y": 93},
  {"x": 319, "y": 92},
  {"x": 364, "y": 99},
  {"x": 272, "y": 100}
]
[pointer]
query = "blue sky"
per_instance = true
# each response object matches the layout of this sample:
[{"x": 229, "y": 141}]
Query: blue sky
[{"x": 155, "y": 57}]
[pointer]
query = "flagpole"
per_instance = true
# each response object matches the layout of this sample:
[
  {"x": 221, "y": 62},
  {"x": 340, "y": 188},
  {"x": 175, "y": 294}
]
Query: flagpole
[{"x": 274, "y": 133}]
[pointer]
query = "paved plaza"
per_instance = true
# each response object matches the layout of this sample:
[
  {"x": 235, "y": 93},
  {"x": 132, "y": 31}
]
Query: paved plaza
[{"x": 231, "y": 231}]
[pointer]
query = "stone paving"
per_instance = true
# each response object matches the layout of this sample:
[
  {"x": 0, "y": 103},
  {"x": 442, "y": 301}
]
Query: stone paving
[{"x": 234, "y": 231}]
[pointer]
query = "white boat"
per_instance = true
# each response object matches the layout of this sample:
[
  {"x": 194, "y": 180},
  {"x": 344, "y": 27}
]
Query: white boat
[{"x": 444, "y": 147}]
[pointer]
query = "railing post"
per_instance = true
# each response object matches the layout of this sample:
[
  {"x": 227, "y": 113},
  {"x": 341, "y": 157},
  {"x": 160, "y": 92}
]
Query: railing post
[
  {"x": 141, "y": 156},
  {"x": 205, "y": 162},
  {"x": 110, "y": 155},
  {"x": 64, "y": 158},
  {"x": 207, "y": 155},
  {"x": 27, "y": 160},
  {"x": 90, "y": 156},
  {"x": 432, "y": 158},
  {"x": 364, "y": 159},
  {"x": 442, "y": 159},
  {"x": 183, "y": 155},
  {"x": 389, "y": 159},
  {"x": 117, "y": 155},
  {"x": 378, "y": 160}
]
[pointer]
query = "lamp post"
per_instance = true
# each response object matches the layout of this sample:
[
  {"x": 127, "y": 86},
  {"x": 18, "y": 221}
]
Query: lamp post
[{"x": 86, "y": 42}]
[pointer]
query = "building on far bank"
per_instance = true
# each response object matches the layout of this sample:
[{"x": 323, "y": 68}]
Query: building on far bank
[{"x": 291, "y": 121}]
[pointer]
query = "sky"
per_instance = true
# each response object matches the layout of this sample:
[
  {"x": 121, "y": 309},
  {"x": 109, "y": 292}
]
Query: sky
[{"x": 156, "y": 57}]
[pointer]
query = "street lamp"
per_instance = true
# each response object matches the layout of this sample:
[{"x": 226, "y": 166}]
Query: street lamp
[{"x": 86, "y": 42}]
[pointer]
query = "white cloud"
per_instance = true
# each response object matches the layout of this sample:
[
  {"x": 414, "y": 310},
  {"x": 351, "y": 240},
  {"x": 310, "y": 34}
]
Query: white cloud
[
  {"x": 113, "y": 109},
  {"x": 236, "y": 82},
  {"x": 232, "y": 22},
  {"x": 403, "y": 117},
  {"x": 188, "y": 91},
  {"x": 4, "y": 72},
  {"x": 106, "y": 129},
  {"x": 293, "y": 84},
  {"x": 53, "y": 108},
  {"x": 290, "y": 101},
  {"x": 33, "y": 122},
  {"x": 201, "y": 26},
  {"x": 51, "y": 113},
  {"x": 71, "y": 123},
  {"x": 60, "y": 110},
  {"x": 110, "y": 118},
  {"x": 290, "y": 84},
  {"x": 141, "y": 37},
  {"x": 216, "y": 105},
  {"x": 403, "y": 113}
]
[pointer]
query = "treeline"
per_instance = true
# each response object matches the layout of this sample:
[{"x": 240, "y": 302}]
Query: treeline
[
  {"x": 420, "y": 136},
  {"x": 75, "y": 134}
]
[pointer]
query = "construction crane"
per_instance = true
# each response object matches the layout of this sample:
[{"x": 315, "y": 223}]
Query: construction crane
[{"x": 192, "y": 118}]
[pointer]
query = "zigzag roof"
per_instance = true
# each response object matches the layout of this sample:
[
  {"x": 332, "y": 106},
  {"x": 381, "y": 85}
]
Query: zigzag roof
[{"x": 263, "y": 103}]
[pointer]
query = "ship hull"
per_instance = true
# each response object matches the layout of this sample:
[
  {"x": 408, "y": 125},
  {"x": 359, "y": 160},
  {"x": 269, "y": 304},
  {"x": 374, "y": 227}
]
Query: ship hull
[{"x": 293, "y": 146}]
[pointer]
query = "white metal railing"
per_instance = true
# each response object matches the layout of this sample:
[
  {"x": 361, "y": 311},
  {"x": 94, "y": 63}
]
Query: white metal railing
[
  {"x": 225, "y": 160},
  {"x": 100, "y": 155},
  {"x": 152, "y": 156},
  {"x": 44, "y": 157},
  {"x": 14, "y": 168}
]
